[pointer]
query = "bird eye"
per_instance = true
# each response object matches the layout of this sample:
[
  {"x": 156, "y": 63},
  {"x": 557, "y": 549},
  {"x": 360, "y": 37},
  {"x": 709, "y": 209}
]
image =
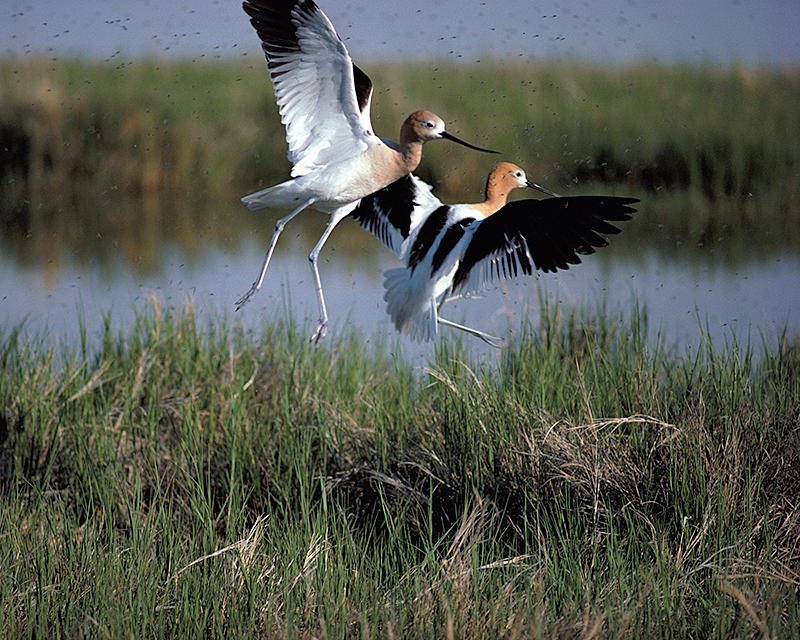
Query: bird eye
[{"x": 429, "y": 124}]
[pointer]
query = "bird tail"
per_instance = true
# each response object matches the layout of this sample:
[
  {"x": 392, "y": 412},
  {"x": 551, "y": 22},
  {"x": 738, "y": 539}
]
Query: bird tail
[
  {"x": 280, "y": 195},
  {"x": 412, "y": 313}
]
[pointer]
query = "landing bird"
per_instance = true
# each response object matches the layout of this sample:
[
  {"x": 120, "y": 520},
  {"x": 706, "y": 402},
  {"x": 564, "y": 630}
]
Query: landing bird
[
  {"x": 324, "y": 102},
  {"x": 452, "y": 251}
]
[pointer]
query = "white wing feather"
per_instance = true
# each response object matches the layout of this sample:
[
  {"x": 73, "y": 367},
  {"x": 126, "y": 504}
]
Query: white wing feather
[{"x": 316, "y": 96}]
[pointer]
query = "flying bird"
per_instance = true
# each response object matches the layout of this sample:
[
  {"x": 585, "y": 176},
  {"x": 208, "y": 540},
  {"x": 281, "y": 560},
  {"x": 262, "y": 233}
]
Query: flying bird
[
  {"x": 324, "y": 103},
  {"x": 453, "y": 251}
]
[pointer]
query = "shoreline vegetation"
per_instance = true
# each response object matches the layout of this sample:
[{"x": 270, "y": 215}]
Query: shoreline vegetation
[
  {"x": 182, "y": 480},
  {"x": 185, "y": 479},
  {"x": 144, "y": 150}
]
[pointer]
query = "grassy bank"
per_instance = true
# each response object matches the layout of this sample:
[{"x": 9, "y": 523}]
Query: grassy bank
[
  {"x": 149, "y": 148},
  {"x": 181, "y": 480}
]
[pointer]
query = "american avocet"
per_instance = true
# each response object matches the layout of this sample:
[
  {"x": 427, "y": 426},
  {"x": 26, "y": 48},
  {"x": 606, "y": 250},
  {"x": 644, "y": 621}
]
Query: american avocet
[
  {"x": 324, "y": 102},
  {"x": 451, "y": 251}
]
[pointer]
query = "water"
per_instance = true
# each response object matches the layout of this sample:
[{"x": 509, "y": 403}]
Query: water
[{"x": 684, "y": 299}]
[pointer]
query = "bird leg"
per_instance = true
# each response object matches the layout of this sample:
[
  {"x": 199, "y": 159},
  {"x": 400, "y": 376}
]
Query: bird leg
[
  {"x": 336, "y": 217},
  {"x": 462, "y": 296},
  {"x": 489, "y": 339},
  {"x": 275, "y": 235}
]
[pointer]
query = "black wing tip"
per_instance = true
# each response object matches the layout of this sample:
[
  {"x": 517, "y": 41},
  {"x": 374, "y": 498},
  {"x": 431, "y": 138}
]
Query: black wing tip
[
  {"x": 616, "y": 208},
  {"x": 272, "y": 19},
  {"x": 277, "y": 6}
]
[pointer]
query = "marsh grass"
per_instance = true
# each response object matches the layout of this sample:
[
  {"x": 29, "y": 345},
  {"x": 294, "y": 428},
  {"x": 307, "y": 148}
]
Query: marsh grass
[
  {"x": 148, "y": 149},
  {"x": 183, "y": 479}
]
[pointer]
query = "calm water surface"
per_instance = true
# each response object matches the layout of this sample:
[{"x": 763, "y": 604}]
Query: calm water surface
[{"x": 681, "y": 297}]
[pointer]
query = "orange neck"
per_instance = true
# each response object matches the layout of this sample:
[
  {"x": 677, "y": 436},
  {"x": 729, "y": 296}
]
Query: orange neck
[{"x": 496, "y": 196}]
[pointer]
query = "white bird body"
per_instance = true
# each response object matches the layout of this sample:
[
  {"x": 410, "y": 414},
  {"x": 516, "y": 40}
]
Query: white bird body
[
  {"x": 452, "y": 251},
  {"x": 324, "y": 103},
  {"x": 342, "y": 182},
  {"x": 412, "y": 293}
]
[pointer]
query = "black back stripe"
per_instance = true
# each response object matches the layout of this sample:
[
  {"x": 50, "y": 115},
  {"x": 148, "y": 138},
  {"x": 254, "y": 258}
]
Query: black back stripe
[
  {"x": 427, "y": 235},
  {"x": 451, "y": 238}
]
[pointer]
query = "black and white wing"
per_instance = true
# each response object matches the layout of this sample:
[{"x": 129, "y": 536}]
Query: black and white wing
[
  {"x": 323, "y": 98},
  {"x": 547, "y": 235},
  {"x": 395, "y": 211}
]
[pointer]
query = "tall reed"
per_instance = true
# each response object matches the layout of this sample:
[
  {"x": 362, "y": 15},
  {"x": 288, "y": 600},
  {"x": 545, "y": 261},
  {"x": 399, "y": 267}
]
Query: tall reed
[{"x": 185, "y": 479}]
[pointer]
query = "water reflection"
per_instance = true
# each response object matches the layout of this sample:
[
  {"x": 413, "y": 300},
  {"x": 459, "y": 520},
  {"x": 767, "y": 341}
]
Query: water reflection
[{"x": 53, "y": 293}]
